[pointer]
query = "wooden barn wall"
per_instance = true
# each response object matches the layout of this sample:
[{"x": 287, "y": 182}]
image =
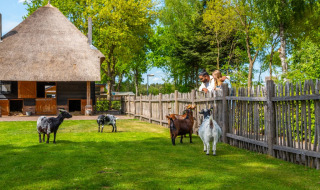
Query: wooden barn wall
[{"x": 73, "y": 90}]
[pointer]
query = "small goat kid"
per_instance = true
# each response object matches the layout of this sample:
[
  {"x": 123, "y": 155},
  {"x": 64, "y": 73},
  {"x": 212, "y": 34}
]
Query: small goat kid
[
  {"x": 209, "y": 131},
  {"x": 107, "y": 120},
  {"x": 48, "y": 125}
]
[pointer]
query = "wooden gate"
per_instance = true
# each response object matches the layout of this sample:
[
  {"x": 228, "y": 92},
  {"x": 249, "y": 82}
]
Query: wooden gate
[
  {"x": 4, "y": 104},
  {"x": 83, "y": 105},
  {"x": 46, "y": 106}
]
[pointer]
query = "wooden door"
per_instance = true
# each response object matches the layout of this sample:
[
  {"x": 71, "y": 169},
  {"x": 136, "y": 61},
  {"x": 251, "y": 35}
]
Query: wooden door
[
  {"x": 83, "y": 105},
  {"x": 46, "y": 106},
  {"x": 27, "y": 89},
  {"x": 5, "y": 109}
]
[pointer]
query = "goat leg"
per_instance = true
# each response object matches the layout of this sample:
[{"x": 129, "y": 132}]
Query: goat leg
[
  {"x": 48, "y": 137},
  {"x": 173, "y": 139},
  {"x": 208, "y": 148},
  {"x": 214, "y": 146},
  {"x": 102, "y": 128},
  {"x": 39, "y": 138},
  {"x": 181, "y": 138},
  {"x": 43, "y": 137},
  {"x": 99, "y": 128},
  {"x": 190, "y": 135},
  {"x": 115, "y": 127},
  {"x": 54, "y": 137},
  {"x": 204, "y": 147},
  {"x": 112, "y": 128}
]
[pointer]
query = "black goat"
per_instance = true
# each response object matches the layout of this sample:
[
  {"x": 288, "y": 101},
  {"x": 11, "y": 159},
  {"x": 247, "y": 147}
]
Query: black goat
[
  {"x": 107, "y": 120},
  {"x": 48, "y": 125}
]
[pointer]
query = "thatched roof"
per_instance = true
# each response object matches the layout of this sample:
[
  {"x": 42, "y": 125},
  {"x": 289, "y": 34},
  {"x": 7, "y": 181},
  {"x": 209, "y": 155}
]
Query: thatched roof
[{"x": 48, "y": 47}]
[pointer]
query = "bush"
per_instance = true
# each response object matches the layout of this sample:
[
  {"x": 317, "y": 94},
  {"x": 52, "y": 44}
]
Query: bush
[{"x": 103, "y": 105}]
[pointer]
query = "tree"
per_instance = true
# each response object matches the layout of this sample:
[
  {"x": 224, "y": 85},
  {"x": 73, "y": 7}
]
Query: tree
[
  {"x": 285, "y": 16},
  {"x": 254, "y": 35},
  {"x": 220, "y": 19},
  {"x": 124, "y": 29}
]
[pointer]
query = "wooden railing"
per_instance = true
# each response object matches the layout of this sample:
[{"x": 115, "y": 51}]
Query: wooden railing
[{"x": 282, "y": 121}]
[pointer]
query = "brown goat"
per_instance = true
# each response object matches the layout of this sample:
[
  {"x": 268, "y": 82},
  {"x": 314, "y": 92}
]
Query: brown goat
[
  {"x": 176, "y": 116},
  {"x": 181, "y": 126}
]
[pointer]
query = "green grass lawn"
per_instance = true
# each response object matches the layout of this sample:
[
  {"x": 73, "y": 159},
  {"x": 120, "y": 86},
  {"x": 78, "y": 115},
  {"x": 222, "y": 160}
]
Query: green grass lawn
[{"x": 139, "y": 156}]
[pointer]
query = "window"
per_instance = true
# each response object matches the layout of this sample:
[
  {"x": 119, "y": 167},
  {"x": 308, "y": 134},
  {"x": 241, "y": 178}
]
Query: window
[{"x": 5, "y": 87}]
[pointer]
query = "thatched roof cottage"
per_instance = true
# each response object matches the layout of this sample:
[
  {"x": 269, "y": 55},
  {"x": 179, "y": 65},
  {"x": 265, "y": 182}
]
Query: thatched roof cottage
[{"x": 46, "y": 63}]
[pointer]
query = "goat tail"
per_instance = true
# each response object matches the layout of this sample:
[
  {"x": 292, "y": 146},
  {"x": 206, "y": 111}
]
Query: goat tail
[{"x": 211, "y": 122}]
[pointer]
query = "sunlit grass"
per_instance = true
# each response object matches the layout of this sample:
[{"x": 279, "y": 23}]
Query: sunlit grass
[{"x": 139, "y": 156}]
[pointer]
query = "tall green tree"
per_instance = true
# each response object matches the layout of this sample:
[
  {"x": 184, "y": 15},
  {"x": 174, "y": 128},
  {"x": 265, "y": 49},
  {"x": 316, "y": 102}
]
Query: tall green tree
[
  {"x": 254, "y": 35},
  {"x": 220, "y": 20},
  {"x": 177, "y": 44},
  {"x": 124, "y": 29},
  {"x": 286, "y": 17}
]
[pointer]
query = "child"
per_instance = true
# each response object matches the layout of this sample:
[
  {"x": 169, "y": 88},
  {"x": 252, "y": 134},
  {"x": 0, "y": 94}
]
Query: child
[{"x": 219, "y": 79}]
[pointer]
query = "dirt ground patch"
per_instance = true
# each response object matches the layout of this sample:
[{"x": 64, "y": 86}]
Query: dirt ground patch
[{"x": 35, "y": 117}]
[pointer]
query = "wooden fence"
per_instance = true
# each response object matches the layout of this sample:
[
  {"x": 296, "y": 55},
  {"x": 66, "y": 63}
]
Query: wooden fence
[{"x": 280, "y": 120}]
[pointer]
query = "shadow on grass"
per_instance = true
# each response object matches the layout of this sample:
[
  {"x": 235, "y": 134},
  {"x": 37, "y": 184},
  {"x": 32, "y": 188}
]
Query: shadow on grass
[{"x": 138, "y": 164}]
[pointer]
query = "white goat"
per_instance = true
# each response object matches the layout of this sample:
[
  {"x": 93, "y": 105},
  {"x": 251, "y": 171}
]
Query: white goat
[{"x": 209, "y": 131}]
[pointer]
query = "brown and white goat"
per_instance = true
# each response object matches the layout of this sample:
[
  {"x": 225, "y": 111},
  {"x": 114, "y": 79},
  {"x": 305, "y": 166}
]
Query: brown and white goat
[{"x": 181, "y": 126}]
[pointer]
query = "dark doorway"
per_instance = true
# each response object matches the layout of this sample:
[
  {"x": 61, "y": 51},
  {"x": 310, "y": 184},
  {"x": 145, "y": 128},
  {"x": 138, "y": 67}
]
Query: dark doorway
[
  {"x": 74, "y": 105},
  {"x": 16, "y": 105},
  {"x": 46, "y": 90}
]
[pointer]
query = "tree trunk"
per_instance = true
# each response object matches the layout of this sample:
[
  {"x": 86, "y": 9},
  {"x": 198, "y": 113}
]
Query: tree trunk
[
  {"x": 120, "y": 81},
  {"x": 110, "y": 93},
  {"x": 251, "y": 61},
  {"x": 270, "y": 61},
  {"x": 283, "y": 56},
  {"x": 218, "y": 56},
  {"x": 136, "y": 81}
]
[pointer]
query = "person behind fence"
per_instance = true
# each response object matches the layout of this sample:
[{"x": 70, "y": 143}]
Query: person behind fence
[
  {"x": 219, "y": 79},
  {"x": 207, "y": 82}
]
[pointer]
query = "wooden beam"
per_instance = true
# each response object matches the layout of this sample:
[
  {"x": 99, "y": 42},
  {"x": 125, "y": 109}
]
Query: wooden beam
[{"x": 88, "y": 93}]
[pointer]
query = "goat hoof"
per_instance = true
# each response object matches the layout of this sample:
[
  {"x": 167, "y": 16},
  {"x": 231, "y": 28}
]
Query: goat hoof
[
  {"x": 207, "y": 154},
  {"x": 214, "y": 155}
]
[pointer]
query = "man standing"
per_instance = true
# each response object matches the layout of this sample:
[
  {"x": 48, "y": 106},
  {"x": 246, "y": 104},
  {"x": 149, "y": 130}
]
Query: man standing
[{"x": 207, "y": 82}]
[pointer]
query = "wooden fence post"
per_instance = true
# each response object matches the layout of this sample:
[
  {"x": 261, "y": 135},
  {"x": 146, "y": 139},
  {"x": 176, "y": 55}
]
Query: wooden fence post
[
  {"x": 270, "y": 117},
  {"x": 176, "y": 104},
  {"x": 150, "y": 108},
  {"x": 134, "y": 105},
  {"x": 225, "y": 112},
  {"x": 121, "y": 104},
  {"x": 160, "y": 109},
  {"x": 193, "y": 97},
  {"x": 129, "y": 107},
  {"x": 141, "y": 110}
]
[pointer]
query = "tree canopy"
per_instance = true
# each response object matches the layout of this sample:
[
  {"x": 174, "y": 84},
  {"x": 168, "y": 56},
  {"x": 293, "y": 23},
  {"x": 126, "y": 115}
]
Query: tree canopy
[{"x": 183, "y": 37}]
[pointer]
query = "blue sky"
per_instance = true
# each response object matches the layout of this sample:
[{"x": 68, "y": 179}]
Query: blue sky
[{"x": 13, "y": 10}]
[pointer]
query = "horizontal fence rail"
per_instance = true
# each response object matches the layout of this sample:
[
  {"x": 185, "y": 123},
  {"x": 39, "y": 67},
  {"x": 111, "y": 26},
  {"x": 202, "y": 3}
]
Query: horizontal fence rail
[{"x": 280, "y": 120}]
